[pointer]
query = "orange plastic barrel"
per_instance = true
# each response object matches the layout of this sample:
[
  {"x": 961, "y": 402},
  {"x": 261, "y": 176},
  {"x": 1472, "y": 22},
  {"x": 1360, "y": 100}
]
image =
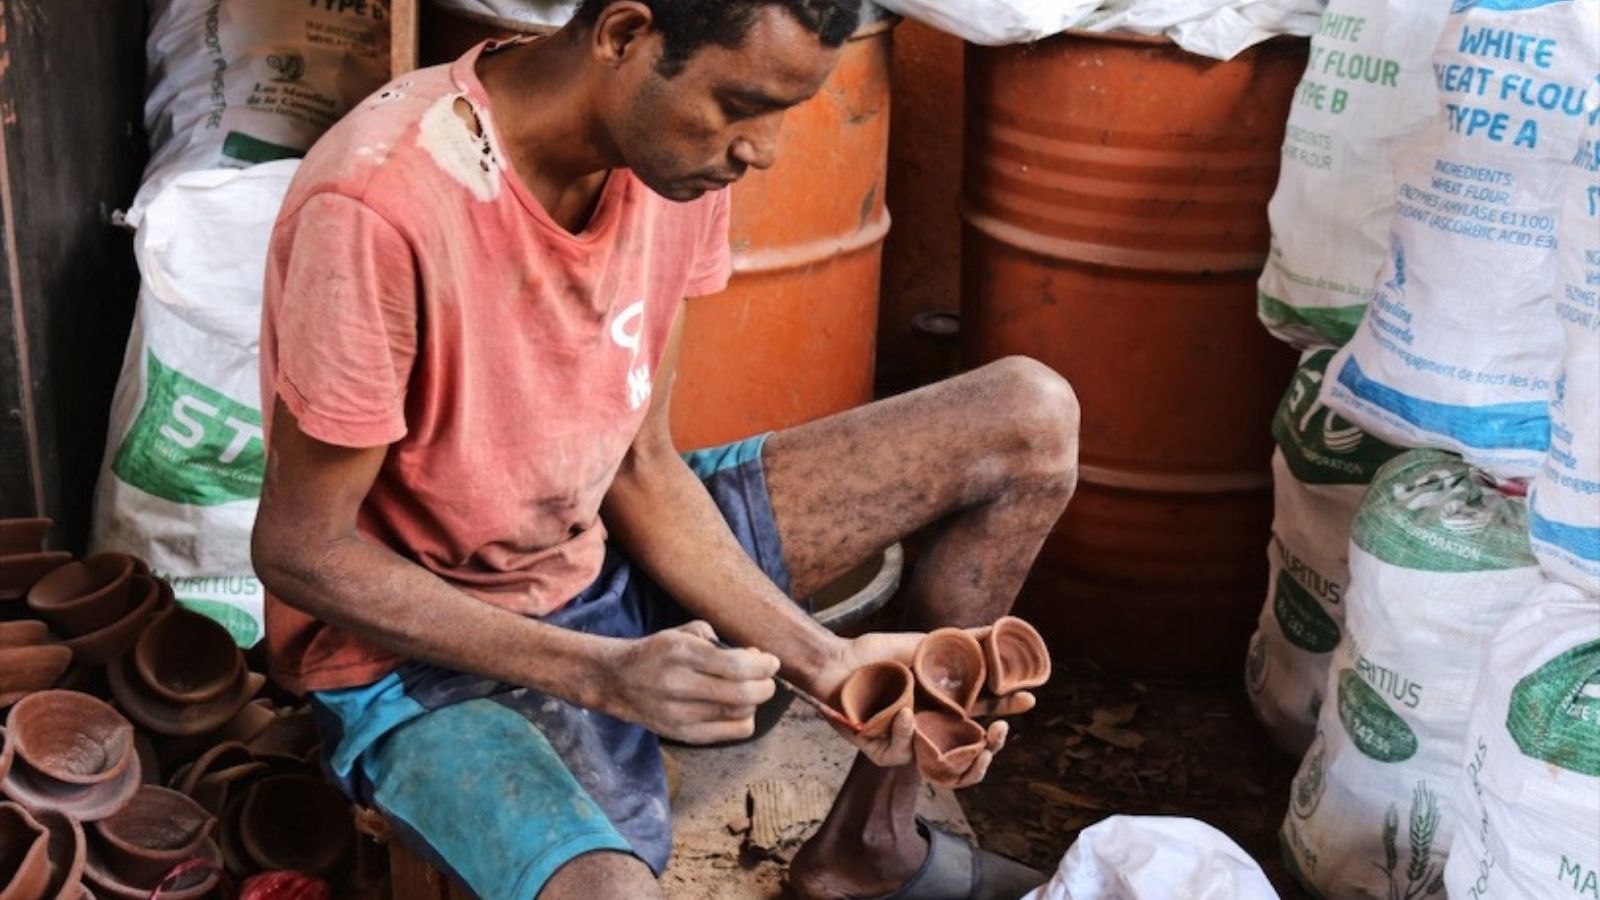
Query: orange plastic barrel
[
  {"x": 792, "y": 338},
  {"x": 1114, "y": 205}
]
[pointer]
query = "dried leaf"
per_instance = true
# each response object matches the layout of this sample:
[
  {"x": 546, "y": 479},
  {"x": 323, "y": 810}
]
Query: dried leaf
[
  {"x": 1117, "y": 737},
  {"x": 1050, "y": 793},
  {"x": 1121, "y": 714}
]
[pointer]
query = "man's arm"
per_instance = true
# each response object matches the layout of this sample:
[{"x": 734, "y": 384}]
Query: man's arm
[{"x": 307, "y": 551}]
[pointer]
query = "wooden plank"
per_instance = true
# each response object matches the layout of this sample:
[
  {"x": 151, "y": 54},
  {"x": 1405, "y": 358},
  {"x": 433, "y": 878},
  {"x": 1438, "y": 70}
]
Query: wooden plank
[
  {"x": 410, "y": 878},
  {"x": 404, "y": 22}
]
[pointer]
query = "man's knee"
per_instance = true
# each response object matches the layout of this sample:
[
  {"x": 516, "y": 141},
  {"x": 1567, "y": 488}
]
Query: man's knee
[
  {"x": 1039, "y": 414},
  {"x": 602, "y": 875}
]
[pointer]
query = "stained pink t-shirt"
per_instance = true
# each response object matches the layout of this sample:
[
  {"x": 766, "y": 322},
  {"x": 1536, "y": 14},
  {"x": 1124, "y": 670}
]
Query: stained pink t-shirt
[{"x": 417, "y": 296}]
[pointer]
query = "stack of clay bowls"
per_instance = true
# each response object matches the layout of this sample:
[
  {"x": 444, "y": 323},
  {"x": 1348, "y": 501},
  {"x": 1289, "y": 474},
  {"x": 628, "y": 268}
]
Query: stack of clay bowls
[
  {"x": 23, "y": 559},
  {"x": 71, "y": 754},
  {"x": 98, "y": 604},
  {"x": 31, "y": 659},
  {"x": 133, "y": 851},
  {"x": 41, "y": 855},
  {"x": 948, "y": 674},
  {"x": 183, "y": 677}
]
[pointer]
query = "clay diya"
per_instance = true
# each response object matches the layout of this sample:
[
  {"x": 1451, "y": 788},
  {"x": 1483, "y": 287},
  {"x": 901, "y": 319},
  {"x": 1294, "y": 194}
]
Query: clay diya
[
  {"x": 165, "y": 716},
  {"x": 191, "y": 885},
  {"x": 24, "y": 633},
  {"x": 22, "y": 535},
  {"x": 147, "y": 838},
  {"x": 101, "y": 645},
  {"x": 1017, "y": 656},
  {"x": 186, "y": 657},
  {"x": 21, "y": 571},
  {"x": 24, "y": 854},
  {"x": 25, "y": 670},
  {"x": 946, "y": 745},
  {"x": 949, "y": 667},
  {"x": 874, "y": 694},
  {"x": 7, "y": 753},
  {"x": 84, "y": 596},
  {"x": 295, "y": 822},
  {"x": 72, "y": 754},
  {"x": 250, "y": 722},
  {"x": 66, "y": 855}
]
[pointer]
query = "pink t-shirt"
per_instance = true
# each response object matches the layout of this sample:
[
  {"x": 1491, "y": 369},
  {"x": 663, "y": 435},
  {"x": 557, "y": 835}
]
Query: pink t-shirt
[{"x": 417, "y": 296}]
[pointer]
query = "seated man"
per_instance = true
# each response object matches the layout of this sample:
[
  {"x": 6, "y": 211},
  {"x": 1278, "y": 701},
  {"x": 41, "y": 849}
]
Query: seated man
[{"x": 487, "y": 563}]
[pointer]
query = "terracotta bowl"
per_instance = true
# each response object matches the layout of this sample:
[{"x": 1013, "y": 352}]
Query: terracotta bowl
[
  {"x": 191, "y": 886},
  {"x": 296, "y": 822},
  {"x": 84, "y": 596},
  {"x": 252, "y": 719},
  {"x": 946, "y": 745},
  {"x": 22, "y": 535},
  {"x": 1017, "y": 656},
  {"x": 166, "y": 717},
  {"x": 20, "y": 571},
  {"x": 86, "y": 803},
  {"x": 950, "y": 669},
  {"x": 66, "y": 855},
  {"x": 71, "y": 737},
  {"x": 291, "y": 733},
  {"x": 186, "y": 657},
  {"x": 7, "y": 753},
  {"x": 874, "y": 694},
  {"x": 24, "y": 633},
  {"x": 26, "y": 670},
  {"x": 24, "y": 854},
  {"x": 99, "y": 647},
  {"x": 157, "y": 830}
]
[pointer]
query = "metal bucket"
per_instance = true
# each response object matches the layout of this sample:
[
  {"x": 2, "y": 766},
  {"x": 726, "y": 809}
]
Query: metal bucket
[{"x": 1115, "y": 221}]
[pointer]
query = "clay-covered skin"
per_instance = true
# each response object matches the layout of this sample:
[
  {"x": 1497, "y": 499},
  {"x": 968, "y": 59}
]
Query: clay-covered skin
[
  {"x": 1017, "y": 657},
  {"x": 947, "y": 744},
  {"x": 24, "y": 854},
  {"x": 873, "y": 695},
  {"x": 71, "y": 737},
  {"x": 950, "y": 668},
  {"x": 186, "y": 657}
]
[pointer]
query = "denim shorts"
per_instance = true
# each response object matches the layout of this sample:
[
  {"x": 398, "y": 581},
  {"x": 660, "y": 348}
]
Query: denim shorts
[{"x": 501, "y": 785}]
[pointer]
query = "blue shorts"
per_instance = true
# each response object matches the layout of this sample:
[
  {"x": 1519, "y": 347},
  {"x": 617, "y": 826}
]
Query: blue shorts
[{"x": 500, "y": 785}]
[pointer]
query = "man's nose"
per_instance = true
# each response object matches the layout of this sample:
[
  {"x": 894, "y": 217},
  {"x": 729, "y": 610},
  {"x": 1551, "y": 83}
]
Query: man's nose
[{"x": 758, "y": 146}]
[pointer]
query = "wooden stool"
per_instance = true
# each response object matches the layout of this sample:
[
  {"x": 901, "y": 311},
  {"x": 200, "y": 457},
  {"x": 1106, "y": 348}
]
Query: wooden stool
[{"x": 410, "y": 876}]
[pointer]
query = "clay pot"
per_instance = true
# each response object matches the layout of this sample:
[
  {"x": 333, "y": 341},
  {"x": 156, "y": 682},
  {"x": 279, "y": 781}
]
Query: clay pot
[
  {"x": 70, "y": 737},
  {"x": 290, "y": 733},
  {"x": 66, "y": 852},
  {"x": 84, "y": 803},
  {"x": 296, "y": 822},
  {"x": 1017, "y": 656},
  {"x": 250, "y": 722},
  {"x": 174, "y": 719},
  {"x": 24, "y": 854},
  {"x": 84, "y": 596},
  {"x": 25, "y": 670},
  {"x": 19, "y": 572},
  {"x": 946, "y": 745},
  {"x": 192, "y": 885},
  {"x": 7, "y": 753},
  {"x": 874, "y": 694},
  {"x": 22, "y": 535},
  {"x": 157, "y": 830},
  {"x": 186, "y": 657},
  {"x": 24, "y": 633},
  {"x": 100, "y": 646},
  {"x": 950, "y": 669}
]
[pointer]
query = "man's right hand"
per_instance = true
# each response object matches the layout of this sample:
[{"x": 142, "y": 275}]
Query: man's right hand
[{"x": 682, "y": 685}]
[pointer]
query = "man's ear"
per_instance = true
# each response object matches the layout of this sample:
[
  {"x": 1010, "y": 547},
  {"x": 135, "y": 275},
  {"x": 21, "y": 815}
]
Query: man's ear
[{"x": 620, "y": 31}]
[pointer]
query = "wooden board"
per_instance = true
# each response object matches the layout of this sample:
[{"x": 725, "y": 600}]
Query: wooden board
[{"x": 403, "y": 31}]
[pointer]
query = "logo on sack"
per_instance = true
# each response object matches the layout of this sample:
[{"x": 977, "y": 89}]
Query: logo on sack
[
  {"x": 1555, "y": 712},
  {"x": 1320, "y": 446},
  {"x": 190, "y": 443},
  {"x": 1308, "y": 786},
  {"x": 1374, "y": 728},
  {"x": 1255, "y": 665},
  {"x": 287, "y": 66},
  {"x": 1301, "y": 618}
]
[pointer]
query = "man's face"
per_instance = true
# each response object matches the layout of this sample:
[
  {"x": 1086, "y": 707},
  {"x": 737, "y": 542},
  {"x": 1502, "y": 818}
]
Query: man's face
[{"x": 703, "y": 128}]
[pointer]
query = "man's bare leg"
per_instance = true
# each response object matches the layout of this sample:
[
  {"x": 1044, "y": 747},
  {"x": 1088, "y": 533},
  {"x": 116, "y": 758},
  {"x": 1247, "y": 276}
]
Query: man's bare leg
[
  {"x": 602, "y": 875},
  {"x": 982, "y": 465}
]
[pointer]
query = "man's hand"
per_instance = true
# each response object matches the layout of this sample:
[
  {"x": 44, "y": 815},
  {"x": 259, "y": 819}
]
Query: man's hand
[{"x": 681, "y": 685}]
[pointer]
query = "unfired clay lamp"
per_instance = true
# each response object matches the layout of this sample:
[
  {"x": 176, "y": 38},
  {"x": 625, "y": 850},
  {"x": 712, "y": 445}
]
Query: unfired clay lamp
[
  {"x": 22, "y": 535},
  {"x": 73, "y": 754},
  {"x": 191, "y": 886},
  {"x": 1016, "y": 655},
  {"x": 186, "y": 657},
  {"x": 24, "y": 854},
  {"x": 25, "y": 670},
  {"x": 101, "y": 645},
  {"x": 950, "y": 669},
  {"x": 152, "y": 834},
  {"x": 296, "y": 822},
  {"x": 21, "y": 571},
  {"x": 66, "y": 855},
  {"x": 874, "y": 694},
  {"x": 946, "y": 745},
  {"x": 228, "y": 686},
  {"x": 24, "y": 633},
  {"x": 84, "y": 596}
]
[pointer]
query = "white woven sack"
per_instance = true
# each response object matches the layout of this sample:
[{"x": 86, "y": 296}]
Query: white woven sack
[
  {"x": 232, "y": 83},
  {"x": 1564, "y": 506},
  {"x": 1459, "y": 346},
  {"x": 1438, "y": 560},
  {"x": 1320, "y": 472},
  {"x": 1530, "y": 780},
  {"x": 184, "y": 453},
  {"x": 1367, "y": 86}
]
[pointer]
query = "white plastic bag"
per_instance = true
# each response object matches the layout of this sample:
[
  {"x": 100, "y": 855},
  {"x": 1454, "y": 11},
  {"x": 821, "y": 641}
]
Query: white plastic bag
[
  {"x": 1155, "y": 858},
  {"x": 236, "y": 82},
  {"x": 184, "y": 452},
  {"x": 1438, "y": 560},
  {"x": 996, "y": 22},
  {"x": 1320, "y": 472},
  {"x": 1220, "y": 29},
  {"x": 545, "y": 13},
  {"x": 1564, "y": 506},
  {"x": 1530, "y": 780},
  {"x": 1460, "y": 345},
  {"x": 1368, "y": 86}
]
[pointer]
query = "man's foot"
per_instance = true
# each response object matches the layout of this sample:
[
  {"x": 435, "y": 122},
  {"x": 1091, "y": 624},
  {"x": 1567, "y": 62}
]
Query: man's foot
[
  {"x": 951, "y": 869},
  {"x": 829, "y": 868}
]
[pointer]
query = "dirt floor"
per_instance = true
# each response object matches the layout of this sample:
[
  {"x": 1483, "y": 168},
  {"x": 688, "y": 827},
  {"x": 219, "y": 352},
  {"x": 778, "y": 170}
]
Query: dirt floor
[{"x": 1098, "y": 745}]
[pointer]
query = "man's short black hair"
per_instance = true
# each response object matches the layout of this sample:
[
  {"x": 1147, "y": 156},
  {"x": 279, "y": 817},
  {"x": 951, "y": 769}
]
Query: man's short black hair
[{"x": 688, "y": 25}]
